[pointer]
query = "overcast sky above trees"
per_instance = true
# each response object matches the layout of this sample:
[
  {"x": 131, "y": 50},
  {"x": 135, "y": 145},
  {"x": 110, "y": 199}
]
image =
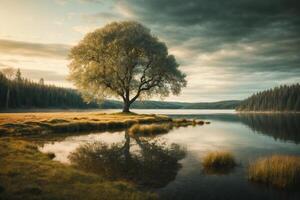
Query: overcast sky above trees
[{"x": 228, "y": 49}]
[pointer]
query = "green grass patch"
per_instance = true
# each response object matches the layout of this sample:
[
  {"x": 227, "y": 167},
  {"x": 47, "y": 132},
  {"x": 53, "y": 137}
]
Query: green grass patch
[{"x": 278, "y": 170}]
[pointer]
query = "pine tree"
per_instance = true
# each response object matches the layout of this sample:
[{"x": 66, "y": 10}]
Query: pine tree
[
  {"x": 283, "y": 98},
  {"x": 18, "y": 77},
  {"x": 28, "y": 94},
  {"x": 41, "y": 82}
]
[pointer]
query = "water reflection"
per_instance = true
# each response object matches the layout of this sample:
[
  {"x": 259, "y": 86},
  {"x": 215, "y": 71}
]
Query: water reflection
[
  {"x": 150, "y": 162},
  {"x": 146, "y": 161},
  {"x": 285, "y": 127}
]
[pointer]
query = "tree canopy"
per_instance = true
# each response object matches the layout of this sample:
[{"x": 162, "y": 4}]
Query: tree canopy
[{"x": 124, "y": 60}]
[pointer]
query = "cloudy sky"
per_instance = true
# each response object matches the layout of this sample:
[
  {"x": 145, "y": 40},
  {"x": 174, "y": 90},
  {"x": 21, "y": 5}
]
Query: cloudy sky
[{"x": 228, "y": 49}]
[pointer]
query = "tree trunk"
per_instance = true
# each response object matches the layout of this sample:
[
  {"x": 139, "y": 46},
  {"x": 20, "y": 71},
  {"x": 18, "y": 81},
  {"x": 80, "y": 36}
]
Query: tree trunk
[{"x": 126, "y": 107}]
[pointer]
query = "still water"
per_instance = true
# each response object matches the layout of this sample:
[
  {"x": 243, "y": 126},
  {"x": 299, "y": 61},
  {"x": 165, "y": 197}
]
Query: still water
[{"x": 170, "y": 164}]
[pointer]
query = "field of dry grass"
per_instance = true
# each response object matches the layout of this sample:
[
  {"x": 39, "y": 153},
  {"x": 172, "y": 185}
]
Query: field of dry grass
[
  {"x": 64, "y": 122},
  {"x": 42, "y": 123},
  {"x": 278, "y": 170}
]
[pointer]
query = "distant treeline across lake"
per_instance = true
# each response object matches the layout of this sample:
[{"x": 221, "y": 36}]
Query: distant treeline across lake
[
  {"x": 23, "y": 93},
  {"x": 20, "y": 93},
  {"x": 283, "y": 98}
]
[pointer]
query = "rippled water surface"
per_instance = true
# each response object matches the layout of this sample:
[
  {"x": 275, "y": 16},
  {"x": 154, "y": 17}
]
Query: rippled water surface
[{"x": 170, "y": 164}]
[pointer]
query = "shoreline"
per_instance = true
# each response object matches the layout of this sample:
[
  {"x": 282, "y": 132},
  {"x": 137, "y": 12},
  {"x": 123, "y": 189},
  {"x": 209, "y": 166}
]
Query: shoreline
[
  {"x": 50, "y": 110},
  {"x": 25, "y": 124}
]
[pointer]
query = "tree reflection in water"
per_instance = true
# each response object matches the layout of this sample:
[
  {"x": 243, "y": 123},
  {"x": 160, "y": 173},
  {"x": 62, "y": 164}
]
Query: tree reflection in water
[
  {"x": 145, "y": 161},
  {"x": 285, "y": 127}
]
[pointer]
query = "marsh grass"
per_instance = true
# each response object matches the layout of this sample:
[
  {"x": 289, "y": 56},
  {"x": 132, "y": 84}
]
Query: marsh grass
[
  {"x": 150, "y": 129},
  {"x": 26, "y": 173},
  {"x": 278, "y": 170},
  {"x": 218, "y": 162}
]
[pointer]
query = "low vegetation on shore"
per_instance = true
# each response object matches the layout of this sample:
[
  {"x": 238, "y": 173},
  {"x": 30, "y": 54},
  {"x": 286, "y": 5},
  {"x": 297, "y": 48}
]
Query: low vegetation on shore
[
  {"x": 277, "y": 170},
  {"x": 150, "y": 129},
  {"x": 26, "y": 173},
  {"x": 218, "y": 162},
  {"x": 44, "y": 123}
]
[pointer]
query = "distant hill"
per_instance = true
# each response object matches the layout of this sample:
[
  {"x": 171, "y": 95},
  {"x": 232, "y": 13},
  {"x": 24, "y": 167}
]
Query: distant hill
[
  {"x": 214, "y": 105},
  {"x": 283, "y": 98},
  {"x": 172, "y": 105}
]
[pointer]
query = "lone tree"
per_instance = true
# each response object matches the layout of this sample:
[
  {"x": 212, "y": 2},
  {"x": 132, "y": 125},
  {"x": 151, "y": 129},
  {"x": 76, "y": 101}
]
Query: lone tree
[{"x": 124, "y": 60}]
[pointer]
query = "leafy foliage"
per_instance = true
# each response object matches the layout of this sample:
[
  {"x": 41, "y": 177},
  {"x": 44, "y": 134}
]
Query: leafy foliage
[{"x": 124, "y": 60}]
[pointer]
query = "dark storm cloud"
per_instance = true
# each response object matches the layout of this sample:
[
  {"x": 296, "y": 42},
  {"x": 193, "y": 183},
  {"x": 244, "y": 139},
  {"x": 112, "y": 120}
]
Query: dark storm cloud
[
  {"x": 92, "y": 18},
  {"x": 34, "y": 49},
  {"x": 271, "y": 28},
  {"x": 234, "y": 17}
]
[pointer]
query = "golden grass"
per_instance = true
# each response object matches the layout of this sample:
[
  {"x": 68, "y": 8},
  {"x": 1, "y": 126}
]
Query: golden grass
[
  {"x": 41, "y": 123},
  {"x": 218, "y": 162},
  {"x": 150, "y": 129},
  {"x": 58, "y": 122},
  {"x": 186, "y": 122},
  {"x": 26, "y": 173},
  {"x": 278, "y": 170}
]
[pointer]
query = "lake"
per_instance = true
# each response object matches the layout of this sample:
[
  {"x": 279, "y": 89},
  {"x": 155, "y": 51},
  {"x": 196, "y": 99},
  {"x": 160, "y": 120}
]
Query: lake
[{"x": 170, "y": 164}]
